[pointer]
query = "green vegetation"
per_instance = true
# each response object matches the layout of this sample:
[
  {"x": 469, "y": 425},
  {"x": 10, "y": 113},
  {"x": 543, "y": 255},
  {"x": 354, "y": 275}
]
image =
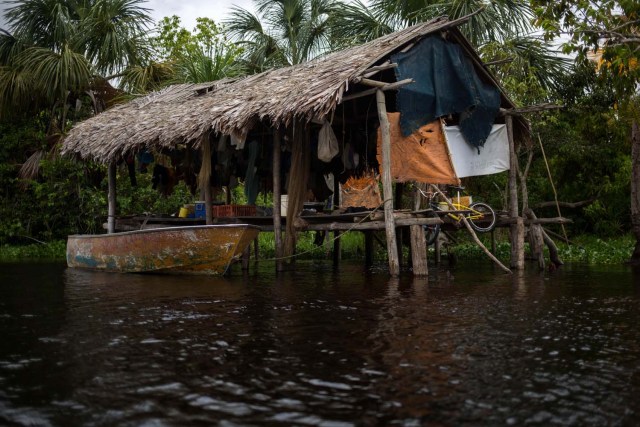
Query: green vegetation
[
  {"x": 585, "y": 249},
  {"x": 54, "y": 251}
]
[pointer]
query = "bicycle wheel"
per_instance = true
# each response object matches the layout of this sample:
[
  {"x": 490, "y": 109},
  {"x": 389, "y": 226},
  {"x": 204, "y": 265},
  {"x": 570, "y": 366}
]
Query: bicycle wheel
[
  {"x": 483, "y": 218},
  {"x": 431, "y": 233}
]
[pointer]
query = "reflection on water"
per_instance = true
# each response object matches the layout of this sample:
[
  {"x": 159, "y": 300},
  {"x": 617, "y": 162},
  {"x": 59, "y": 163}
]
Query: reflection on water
[{"x": 319, "y": 347}]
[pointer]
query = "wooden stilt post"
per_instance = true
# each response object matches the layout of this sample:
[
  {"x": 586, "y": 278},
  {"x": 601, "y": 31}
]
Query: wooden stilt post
[
  {"x": 337, "y": 248},
  {"x": 397, "y": 205},
  {"x": 205, "y": 181},
  {"x": 392, "y": 248},
  {"x": 246, "y": 256},
  {"x": 277, "y": 191},
  {"x": 418, "y": 243},
  {"x": 111, "y": 219},
  {"x": 536, "y": 239},
  {"x": 517, "y": 228},
  {"x": 368, "y": 248}
]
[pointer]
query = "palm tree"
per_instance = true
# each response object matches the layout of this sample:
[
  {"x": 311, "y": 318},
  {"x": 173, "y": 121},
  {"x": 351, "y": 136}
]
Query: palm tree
[
  {"x": 182, "y": 56},
  {"x": 499, "y": 20},
  {"x": 283, "y": 32},
  {"x": 58, "y": 48},
  {"x": 502, "y": 23}
]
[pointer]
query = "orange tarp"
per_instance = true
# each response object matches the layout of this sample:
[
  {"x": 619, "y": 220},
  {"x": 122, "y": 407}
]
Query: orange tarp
[{"x": 421, "y": 156}]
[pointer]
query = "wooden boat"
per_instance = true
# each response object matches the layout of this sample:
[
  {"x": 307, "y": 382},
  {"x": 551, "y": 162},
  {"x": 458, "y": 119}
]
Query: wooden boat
[{"x": 203, "y": 249}]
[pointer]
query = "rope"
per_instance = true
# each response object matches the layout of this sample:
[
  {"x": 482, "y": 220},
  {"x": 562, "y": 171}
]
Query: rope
[
  {"x": 332, "y": 240},
  {"x": 555, "y": 193}
]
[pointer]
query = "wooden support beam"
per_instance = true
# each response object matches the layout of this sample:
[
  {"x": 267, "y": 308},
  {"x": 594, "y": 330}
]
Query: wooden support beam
[
  {"x": 246, "y": 255},
  {"x": 418, "y": 240},
  {"x": 337, "y": 248},
  {"x": 397, "y": 205},
  {"x": 392, "y": 250},
  {"x": 531, "y": 109},
  {"x": 277, "y": 192},
  {"x": 368, "y": 225},
  {"x": 111, "y": 219},
  {"x": 367, "y": 92},
  {"x": 418, "y": 251},
  {"x": 536, "y": 240},
  {"x": 373, "y": 83},
  {"x": 542, "y": 221},
  {"x": 205, "y": 181},
  {"x": 372, "y": 71},
  {"x": 368, "y": 248}
]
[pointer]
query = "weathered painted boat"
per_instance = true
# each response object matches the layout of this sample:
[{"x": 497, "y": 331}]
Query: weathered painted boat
[{"x": 204, "y": 249}]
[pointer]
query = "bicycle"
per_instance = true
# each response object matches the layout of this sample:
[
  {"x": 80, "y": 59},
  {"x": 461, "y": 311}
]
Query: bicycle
[{"x": 480, "y": 215}]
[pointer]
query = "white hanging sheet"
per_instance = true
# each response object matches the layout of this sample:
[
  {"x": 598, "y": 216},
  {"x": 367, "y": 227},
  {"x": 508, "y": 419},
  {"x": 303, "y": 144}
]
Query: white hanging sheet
[{"x": 493, "y": 157}]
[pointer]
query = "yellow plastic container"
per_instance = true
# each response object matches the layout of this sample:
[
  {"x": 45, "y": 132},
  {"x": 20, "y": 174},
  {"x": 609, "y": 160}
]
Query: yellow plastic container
[{"x": 183, "y": 213}]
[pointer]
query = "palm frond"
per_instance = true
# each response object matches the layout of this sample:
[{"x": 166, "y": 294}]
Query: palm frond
[
  {"x": 355, "y": 23},
  {"x": 113, "y": 34},
  {"x": 46, "y": 23},
  {"x": 143, "y": 79},
  {"x": 17, "y": 90},
  {"x": 10, "y": 47},
  {"x": 31, "y": 167},
  {"x": 539, "y": 58},
  {"x": 56, "y": 74},
  {"x": 499, "y": 21}
]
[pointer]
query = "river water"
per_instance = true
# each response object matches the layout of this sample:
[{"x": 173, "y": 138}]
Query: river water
[{"x": 320, "y": 347}]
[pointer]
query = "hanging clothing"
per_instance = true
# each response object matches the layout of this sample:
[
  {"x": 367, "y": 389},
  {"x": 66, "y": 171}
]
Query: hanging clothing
[{"x": 251, "y": 181}]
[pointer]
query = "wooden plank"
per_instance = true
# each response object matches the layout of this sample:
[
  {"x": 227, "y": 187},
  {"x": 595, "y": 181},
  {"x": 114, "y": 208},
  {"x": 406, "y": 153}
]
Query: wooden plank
[
  {"x": 368, "y": 225},
  {"x": 392, "y": 249}
]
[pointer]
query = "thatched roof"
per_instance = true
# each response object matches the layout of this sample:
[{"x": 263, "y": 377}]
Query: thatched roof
[{"x": 182, "y": 114}]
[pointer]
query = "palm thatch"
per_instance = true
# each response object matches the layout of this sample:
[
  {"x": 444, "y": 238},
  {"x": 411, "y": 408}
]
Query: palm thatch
[{"x": 182, "y": 113}]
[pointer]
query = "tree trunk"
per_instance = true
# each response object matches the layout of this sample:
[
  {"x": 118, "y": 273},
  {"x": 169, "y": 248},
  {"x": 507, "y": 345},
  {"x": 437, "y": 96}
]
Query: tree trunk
[
  {"x": 635, "y": 190},
  {"x": 516, "y": 230}
]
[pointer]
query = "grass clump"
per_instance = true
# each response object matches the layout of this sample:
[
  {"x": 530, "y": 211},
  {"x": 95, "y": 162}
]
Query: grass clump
[{"x": 51, "y": 251}]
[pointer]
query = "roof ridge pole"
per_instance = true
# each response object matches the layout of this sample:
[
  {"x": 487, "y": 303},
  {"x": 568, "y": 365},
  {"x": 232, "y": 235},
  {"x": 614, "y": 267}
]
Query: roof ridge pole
[
  {"x": 387, "y": 190},
  {"x": 111, "y": 218}
]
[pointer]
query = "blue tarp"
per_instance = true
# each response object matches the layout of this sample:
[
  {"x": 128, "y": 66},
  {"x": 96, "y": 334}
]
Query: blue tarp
[{"x": 445, "y": 83}]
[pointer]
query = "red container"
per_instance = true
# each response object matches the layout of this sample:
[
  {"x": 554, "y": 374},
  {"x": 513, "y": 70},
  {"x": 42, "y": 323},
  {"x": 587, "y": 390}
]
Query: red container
[{"x": 234, "y": 210}]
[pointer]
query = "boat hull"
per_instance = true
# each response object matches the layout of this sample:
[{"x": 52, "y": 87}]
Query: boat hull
[{"x": 206, "y": 249}]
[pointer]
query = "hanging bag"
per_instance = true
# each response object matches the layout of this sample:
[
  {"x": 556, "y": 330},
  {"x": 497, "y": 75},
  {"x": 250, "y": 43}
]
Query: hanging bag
[{"x": 327, "y": 143}]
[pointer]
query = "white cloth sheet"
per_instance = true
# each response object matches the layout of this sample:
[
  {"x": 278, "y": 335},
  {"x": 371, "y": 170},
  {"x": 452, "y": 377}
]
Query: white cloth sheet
[{"x": 493, "y": 157}]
